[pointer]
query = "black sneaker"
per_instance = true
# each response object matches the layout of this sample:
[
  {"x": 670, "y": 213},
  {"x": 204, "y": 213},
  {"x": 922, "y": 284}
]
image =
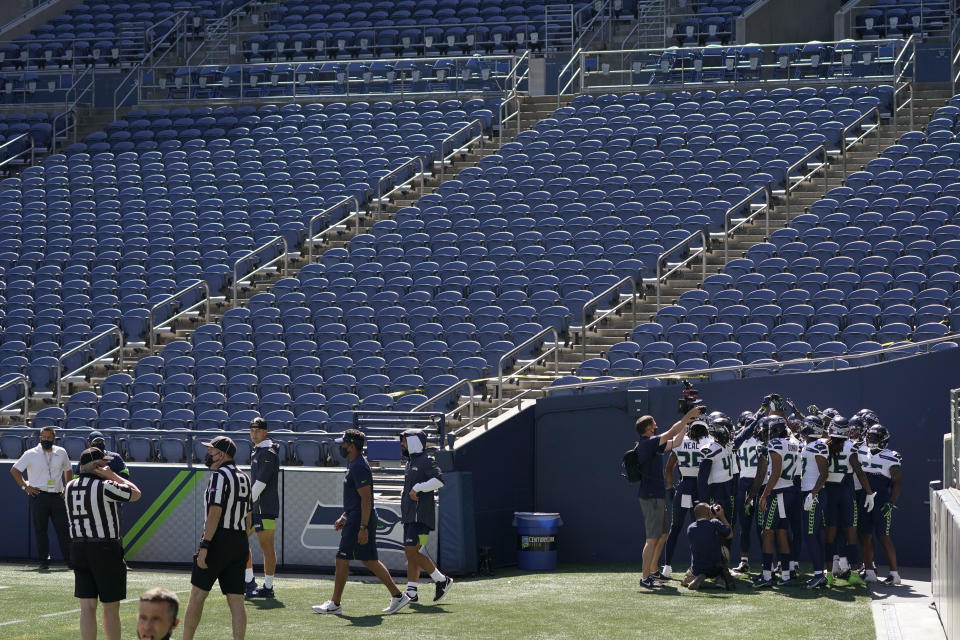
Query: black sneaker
[
  {"x": 650, "y": 583},
  {"x": 658, "y": 575},
  {"x": 761, "y": 582},
  {"x": 261, "y": 592},
  {"x": 442, "y": 589},
  {"x": 249, "y": 588},
  {"x": 414, "y": 598},
  {"x": 818, "y": 581}
]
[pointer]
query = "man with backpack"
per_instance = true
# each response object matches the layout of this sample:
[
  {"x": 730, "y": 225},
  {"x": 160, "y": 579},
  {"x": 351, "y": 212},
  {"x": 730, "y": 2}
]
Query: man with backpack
[{"x": 644, "y": 464}]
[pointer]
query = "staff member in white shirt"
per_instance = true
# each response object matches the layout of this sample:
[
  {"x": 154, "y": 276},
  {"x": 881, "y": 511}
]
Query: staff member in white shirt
[{"x": 48, "y": 470}]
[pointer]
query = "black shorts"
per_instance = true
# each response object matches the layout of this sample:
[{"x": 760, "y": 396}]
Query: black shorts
[
  {"x": 350, "y": 549},
  {"x": 226, "y": 561},
  {"x": 263, "y": 520},
  {"x": 415, "y": 534},
  {"x": 99, "y": 570}
]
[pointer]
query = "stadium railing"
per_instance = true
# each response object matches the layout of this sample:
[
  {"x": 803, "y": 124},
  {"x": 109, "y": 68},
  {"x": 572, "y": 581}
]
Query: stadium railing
[
  {"x": 703, "y": 235},
  {"x": 620, "y": 303},
  {"x": 24, "y": 402},
  {"x": 874, "y": 62},
  {"x": 771, "y": 367},
  {"x": 117, "y": 351},
  {"x": 382, "y": 78}
]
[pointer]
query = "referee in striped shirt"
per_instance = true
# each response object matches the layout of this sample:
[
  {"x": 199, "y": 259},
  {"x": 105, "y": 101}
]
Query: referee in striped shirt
[
  {"x": 223, "y": 551},
  {"x": 99, "y": 571}
]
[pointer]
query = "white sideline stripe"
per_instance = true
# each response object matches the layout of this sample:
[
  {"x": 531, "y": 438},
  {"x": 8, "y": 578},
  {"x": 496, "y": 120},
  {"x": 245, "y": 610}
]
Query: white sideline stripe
[{"x": 63, "y": 613}]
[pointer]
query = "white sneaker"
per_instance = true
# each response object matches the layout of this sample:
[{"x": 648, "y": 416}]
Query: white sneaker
[
  {"x": 397, "y": 603},
  {"x": 893, "y": 580},
  {"x": 870, "y": 576},
  {"x": 666, "y": 571},
  {"x": 328, "y": 607}
]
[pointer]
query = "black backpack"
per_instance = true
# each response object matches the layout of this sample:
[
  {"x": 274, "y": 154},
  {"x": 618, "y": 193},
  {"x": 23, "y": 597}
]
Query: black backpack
[{"x": 630, "y": 465}]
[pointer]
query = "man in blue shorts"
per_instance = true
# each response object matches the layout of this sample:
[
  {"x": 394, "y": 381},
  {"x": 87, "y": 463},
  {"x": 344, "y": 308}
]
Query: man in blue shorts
[
  {"x": 422, "y": 479},
  {"x": 358, "y": 528}
]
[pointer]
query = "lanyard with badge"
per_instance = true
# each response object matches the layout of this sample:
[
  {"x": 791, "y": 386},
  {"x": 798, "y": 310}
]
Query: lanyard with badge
[{"x": 51, "y": 480}]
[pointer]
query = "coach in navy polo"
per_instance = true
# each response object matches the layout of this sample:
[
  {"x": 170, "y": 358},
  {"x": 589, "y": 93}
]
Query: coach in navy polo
[
  {"x": 653, "y": 492},
  {"x": 358, "y": 528}
]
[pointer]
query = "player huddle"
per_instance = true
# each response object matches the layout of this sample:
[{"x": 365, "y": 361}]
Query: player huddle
[{"x": 812, "y": 482}]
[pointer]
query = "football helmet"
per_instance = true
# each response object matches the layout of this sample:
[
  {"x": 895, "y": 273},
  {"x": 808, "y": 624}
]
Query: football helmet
[{"x": 876, "y": 437}]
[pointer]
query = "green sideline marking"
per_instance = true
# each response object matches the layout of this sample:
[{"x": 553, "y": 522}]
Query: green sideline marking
[{"x": 134, "y": 534}]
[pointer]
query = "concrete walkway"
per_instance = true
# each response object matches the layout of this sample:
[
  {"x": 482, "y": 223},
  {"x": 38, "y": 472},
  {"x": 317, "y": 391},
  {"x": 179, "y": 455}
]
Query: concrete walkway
[{"x": 903, "y": 612}]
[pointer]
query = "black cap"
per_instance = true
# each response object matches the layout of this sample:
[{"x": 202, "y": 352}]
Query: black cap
[
  {"x": 94, "y": 436},
  {"x": 222, "y": 443},
  {"x": 259, "y": 423},
  {"x": 92, "y": 455},
  {"x": 352, "y": 436}
]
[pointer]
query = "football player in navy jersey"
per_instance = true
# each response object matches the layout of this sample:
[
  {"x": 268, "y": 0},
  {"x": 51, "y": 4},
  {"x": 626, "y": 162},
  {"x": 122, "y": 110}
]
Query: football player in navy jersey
[
  {"x": 686, "y": 458},
  {"x": 882, "y": 466}
]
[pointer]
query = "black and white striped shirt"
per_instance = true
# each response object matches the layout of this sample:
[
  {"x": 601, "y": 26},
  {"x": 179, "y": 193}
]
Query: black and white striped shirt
[
  {"x": 92, "y": 507},
  {"x": 230, "y": 489}
]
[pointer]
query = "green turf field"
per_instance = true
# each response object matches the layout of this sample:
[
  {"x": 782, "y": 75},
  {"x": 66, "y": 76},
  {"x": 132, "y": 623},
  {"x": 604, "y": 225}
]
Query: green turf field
[{"x": 573, "y": 602}]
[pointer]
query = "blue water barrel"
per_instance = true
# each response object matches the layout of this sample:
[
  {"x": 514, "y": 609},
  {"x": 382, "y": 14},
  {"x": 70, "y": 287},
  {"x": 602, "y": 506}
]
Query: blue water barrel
[{"x": 537, "y": 540}]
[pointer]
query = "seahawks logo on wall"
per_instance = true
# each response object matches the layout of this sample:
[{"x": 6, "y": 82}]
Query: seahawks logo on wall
[{"x": 318, "y": 532}]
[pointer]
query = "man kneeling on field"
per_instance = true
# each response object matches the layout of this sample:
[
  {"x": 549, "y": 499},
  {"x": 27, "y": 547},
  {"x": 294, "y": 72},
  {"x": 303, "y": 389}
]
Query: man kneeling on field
[{"x": 709, "y": 558}]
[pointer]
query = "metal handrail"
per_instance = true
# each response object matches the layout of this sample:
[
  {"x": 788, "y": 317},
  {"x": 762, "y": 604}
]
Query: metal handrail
[
  {"x": 31, "y": 149},
  {"x": 728, "y": 216},
  {"x": 180, "y": 21},
  {"x": 312, "y": 239},
  {"x": 594, "y": 301},
  {"x": 496, "y": 409},
  {"x": 205, "y": 300},
  {"x": 577, "y": 55},
  {"x": 704, "y": 236},
  {"x": 429, "y": 401},
  {"x": 21, "y": 379},
  {"x": 687, "y": 373},
  {"x": 382, "y": 180},
  {"x": 803, "y": 162},
  {"x": 217, "y": 27},
  {"x": 452, "y": 136},
  {"x": 844, "y": 146},
  {"x": 526, "y": 343},
  {"x": 80, "y": 347},
  {"x": 250, "y": 254}
]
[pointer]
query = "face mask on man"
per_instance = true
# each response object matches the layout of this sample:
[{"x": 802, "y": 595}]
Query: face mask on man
[
  {"x": 46, "y": 444},
  {"x": 208, "y": 460},
  {"x": 344, "y": 452}
]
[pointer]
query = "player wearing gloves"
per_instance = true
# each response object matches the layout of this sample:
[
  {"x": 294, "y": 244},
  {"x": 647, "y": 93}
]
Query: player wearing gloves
[
  {"x": 418, "y": 510},
  {"x": 841, "y": 508},
  {"x": 813, "y": 475},
  {"x": 882, "y": 466},
  {"x": 774, "y": 504}
]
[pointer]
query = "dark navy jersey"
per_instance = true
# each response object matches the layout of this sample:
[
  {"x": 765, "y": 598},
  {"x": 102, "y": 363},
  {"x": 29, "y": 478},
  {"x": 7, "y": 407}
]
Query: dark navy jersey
[
  {"x": 358, "y": 475},
  {"x": 117, "y": 465},
  {"x": 420, "y": 468},
  {"x": 706, "y": 538},
  {"x": 265, "y": 468}
]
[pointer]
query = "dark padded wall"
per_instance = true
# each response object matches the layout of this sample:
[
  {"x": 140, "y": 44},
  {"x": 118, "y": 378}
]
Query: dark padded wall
[
  {"x": 579, "y": 441},
  {"x": 501, "y": 461}
]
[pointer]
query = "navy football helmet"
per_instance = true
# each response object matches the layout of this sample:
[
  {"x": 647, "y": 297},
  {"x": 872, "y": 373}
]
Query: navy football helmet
[
  {"x": 839, "y": 427},
  {"x": 812, "y": 427},
  {"x": 776, "y": 427},
  {"x": 745, "y": 418},
  {"x": 877, "y": 437},
  {"x": 720, "y": 431},
  {"x": 869, "y": 417}
]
